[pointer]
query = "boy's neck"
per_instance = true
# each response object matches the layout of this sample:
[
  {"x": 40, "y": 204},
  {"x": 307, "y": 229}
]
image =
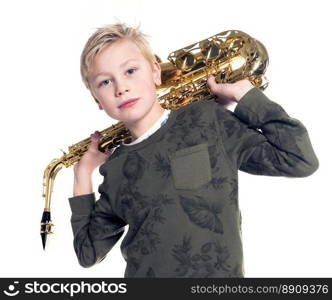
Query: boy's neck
[{"x": 140, "y": 127}]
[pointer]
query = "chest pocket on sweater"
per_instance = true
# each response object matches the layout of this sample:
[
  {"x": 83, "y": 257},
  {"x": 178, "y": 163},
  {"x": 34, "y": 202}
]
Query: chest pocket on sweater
[{"x": 191, "y": 167}]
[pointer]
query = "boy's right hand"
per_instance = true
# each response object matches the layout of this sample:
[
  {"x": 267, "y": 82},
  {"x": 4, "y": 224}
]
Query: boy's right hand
[{"x": 92, "y": 158}]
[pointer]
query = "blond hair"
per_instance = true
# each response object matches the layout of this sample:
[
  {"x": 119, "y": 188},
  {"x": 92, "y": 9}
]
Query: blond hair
[{"x": 106, "y": 35}]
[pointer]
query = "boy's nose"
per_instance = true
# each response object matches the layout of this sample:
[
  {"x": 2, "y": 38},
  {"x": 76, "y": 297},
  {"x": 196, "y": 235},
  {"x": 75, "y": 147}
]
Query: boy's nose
[{"x": 121, "y": 91}]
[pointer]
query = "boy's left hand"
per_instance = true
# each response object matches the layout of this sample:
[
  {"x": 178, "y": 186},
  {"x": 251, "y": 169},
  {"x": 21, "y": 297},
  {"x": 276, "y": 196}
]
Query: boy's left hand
[{"x": 228, "y": 92}]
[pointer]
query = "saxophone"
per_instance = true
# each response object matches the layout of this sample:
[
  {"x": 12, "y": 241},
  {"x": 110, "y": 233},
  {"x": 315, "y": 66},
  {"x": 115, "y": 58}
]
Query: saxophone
[{"x": 230, "y": 56}]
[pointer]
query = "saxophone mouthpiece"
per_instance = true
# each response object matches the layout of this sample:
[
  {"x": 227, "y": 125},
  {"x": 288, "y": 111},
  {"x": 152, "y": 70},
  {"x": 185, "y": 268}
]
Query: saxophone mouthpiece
[{"x": 45, "y": 227}]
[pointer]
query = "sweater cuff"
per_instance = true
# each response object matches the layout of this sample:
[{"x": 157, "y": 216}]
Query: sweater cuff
[
  {"x": 252, "y": 106},
  {"x": 82, "y": 204}
]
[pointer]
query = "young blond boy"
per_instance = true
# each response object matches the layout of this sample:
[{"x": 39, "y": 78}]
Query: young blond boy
[{"x": 175, "y": 184}]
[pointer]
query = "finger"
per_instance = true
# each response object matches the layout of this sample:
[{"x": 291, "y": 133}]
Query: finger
[
  {"x": 212, "y": 84},
  {"x": 211, "y": 79},
  {"x": 94, "y": 141},
  {"x": 96, "y": 135}
]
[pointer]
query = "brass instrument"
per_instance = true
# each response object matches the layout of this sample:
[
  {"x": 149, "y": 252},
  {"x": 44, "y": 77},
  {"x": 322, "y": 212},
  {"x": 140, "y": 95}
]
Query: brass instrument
[{"x": 230, "y": 56}]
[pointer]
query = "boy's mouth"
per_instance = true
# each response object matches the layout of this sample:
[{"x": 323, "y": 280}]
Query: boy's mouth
[{"x": 128, "y": 102}]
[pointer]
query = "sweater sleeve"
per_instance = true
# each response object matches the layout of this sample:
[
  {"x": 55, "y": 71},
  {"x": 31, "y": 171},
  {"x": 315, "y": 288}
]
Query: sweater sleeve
[
  {"x": 260, "y": 138},
  {"x": 95, "y": 227}
]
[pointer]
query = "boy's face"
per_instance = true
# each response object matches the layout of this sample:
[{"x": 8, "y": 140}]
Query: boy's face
[{"x": 126, "y": 74}]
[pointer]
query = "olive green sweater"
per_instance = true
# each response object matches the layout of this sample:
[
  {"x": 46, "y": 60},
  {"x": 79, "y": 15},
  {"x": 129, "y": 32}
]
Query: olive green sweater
[{"x": 178, "y": 189}]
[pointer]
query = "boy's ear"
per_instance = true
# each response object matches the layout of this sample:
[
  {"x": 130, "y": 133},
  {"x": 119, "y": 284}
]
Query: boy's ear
[
  {"x": 156, "y": 73},
  {"x": 92, "y": 94},
  {"x": 100, "y": 107},
  {"x": 98, "y": 103}
]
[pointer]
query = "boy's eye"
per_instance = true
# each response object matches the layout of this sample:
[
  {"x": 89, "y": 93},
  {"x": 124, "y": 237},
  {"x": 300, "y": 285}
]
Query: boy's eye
[
  {"x": 105, "y": 82},
  {"x": 131, "y": 71}
]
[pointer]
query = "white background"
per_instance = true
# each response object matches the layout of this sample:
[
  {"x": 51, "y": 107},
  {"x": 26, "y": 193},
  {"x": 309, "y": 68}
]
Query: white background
[{"x": 45, "y": 106}]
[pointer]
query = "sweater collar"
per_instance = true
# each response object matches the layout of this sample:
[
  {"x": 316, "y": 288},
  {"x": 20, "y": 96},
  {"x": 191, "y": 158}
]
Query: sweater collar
[{"x": 162, "y": 119}]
